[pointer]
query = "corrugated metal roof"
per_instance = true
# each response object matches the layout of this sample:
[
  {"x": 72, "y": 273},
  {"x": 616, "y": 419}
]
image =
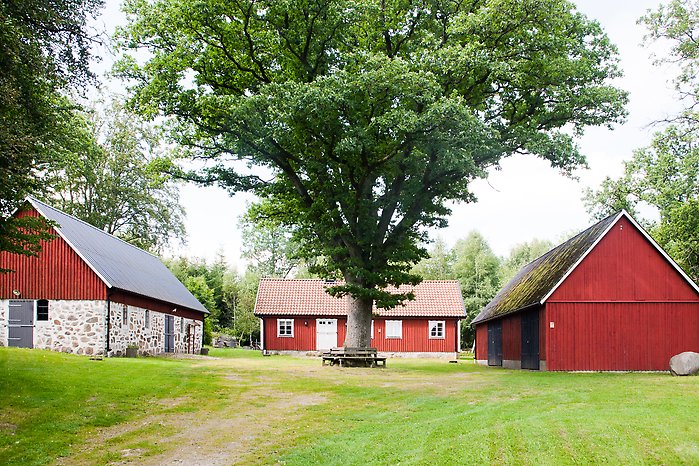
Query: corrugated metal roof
[
  {"x": 278, "y": 296},
  {"x": 119, "y": 264},
  {"x": 540, "y": 277}
]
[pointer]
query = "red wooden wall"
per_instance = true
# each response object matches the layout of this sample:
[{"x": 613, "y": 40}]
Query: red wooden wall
[
  {"x": 415, "y": 335},
  {"x": 623, "y": 308},
  {"x": 56, "y": 273},
  {"x": 624, "y": 266},
  {"x": 620, "y": 336},
  {"x": 482, "y": 342}
]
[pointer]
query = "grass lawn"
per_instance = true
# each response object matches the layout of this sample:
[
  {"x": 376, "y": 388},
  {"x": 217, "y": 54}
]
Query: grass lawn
[{"x": 242, "y": 408}]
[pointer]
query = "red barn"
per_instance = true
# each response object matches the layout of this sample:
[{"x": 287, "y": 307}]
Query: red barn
[
  {"x": 608, "y": 299},
  {"x": 298, "y": 315},
  {"x": 88, "y": 292}
]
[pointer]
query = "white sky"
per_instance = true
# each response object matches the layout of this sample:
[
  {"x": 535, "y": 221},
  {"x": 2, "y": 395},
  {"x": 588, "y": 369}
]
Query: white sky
[{"x": 526, "y": 199}]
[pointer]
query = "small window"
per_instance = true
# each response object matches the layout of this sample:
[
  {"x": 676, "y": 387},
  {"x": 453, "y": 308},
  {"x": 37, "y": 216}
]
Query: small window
[
  {"x": 42, "y": 310},
  {"x": 147, "y": 318},
  {"x": 124, "y": 315},
  {"x": 181, "y": 324},
  {"x": 394, "y": 329},
  {"x": 285, "y": 327},
  {"x": 436, "y": 329}
]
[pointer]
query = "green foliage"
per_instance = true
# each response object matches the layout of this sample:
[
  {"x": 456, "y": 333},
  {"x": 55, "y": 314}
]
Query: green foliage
[
  {"x": 439, "y": 265},
  {"x": 369, "y": 115},
  {"x": 268, "y": 247},
  {"x": 521, "y": 255},
  {"x": 477, "y": 269},
  {"x": 230, "y": 298},
  {"x": 44, "y": 50},
  {"x": 109, "y": 177}
]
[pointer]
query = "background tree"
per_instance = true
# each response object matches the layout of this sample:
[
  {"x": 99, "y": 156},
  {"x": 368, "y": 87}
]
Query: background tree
[
  {"x": 477, "y": 269},
  {"x": 44, "y": 49},
  {"x": 370, "y": 115},
  {"x": 439, "y": 265},
  {"x": 109, "y": 176},
  {"x": 522, "y": 254},
  {"x": 268, "y": 246}
]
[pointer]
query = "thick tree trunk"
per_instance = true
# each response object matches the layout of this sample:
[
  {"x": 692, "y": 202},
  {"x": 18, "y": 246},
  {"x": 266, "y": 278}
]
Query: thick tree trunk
[{"x": 359, "y": 322}]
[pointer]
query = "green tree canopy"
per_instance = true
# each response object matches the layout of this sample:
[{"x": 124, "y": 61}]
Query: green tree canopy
[
  {"x": 44, "y": 49},
  {"x": 439, "y": 265},
  {"x": 368, "y": 115},
  {"x": 522, "y": 254},
  {"x": 110, "y": 177}
]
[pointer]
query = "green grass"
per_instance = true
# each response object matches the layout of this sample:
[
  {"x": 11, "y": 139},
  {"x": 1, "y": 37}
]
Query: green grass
[{"x": 248, "y": 409}]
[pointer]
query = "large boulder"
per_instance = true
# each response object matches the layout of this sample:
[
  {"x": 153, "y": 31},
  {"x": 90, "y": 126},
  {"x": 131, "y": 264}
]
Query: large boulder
[{"x": 686, "y": 363}]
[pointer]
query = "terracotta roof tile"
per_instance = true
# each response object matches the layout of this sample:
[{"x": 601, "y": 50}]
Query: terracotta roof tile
[{"x": 433, "y": 298}]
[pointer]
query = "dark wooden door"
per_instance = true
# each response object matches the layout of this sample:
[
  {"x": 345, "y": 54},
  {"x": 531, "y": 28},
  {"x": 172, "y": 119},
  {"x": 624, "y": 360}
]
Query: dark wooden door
[
  {"x": 530, "y": 340},
  {"x": 169, "y": 334},
  {"x": 21, "y": 324},
  {"x": 495, "y": 343}
]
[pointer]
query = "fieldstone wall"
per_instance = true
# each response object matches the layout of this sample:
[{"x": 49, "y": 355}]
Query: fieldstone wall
[
  {"x": 73, "y": 327},
  {"x": 145, "y": 329},
  {"x": 4, "y": 309}
]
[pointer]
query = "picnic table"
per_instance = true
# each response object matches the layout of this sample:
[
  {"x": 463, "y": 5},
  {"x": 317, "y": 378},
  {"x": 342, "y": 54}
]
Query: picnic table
[{"x": 344, "y": 356}]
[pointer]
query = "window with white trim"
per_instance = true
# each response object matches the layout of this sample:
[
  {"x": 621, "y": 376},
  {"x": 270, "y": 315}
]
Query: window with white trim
[
  {"x": 394, "y": 329},
  {"x": 372, "y": 329},
  {"x": 436, "y": 329},
  {"x": 285, "y": 327}
]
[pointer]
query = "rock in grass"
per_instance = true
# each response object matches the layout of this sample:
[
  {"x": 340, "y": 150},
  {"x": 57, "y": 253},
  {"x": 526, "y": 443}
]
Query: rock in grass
[{"x": 686, "y": 363}]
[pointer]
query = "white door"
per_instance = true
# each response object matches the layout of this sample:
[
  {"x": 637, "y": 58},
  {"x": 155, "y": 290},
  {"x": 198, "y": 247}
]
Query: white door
[{"x": 326, "y": 334}]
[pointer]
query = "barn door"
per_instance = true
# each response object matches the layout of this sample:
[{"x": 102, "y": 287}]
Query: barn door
[
  {"x": 495, "y": 343},
  {"x": 21, "y": 324},
  {"x": 530, "y": 340},
  {"x": 169, "y": 334}
]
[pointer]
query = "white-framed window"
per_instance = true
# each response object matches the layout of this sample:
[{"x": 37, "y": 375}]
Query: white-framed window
[
  {"x": 436, "y": 329},
  {"x": 394, "y": 329},
  {"x": 285, "y": 327},
  {"x": 372, "y": 329},
  {"x": 147, "y": 318}
]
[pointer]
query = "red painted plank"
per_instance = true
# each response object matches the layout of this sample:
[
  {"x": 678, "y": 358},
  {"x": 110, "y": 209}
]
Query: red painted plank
[{"x": 56, "y": 273}]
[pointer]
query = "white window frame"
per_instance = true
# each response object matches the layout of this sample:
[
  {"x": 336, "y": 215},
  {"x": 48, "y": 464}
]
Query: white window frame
[
  {"x": 435, "y": 324},
  {"x": 287, "y": 322},
  {"x": 394, "y": 329},
  {"x": 372, "y": 329}
]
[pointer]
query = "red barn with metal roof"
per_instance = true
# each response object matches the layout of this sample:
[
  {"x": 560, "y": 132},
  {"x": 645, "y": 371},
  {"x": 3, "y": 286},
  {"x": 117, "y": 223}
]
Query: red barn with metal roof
[
  {"x": 88, "y": 292},
  {"x": 298, "y": 315},
  {"x": 608, "y": 299}
]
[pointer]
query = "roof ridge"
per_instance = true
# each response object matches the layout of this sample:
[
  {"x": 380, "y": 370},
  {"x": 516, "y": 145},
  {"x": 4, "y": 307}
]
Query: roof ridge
[{"x": 33, "y": 200}]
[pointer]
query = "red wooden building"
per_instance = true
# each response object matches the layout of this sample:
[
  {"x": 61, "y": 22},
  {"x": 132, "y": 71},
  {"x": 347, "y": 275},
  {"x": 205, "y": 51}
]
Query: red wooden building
[
  {"x": 298, "y": 315},
  {"x": 88, "y": 292},
  {"x": 608, "y": 299}
]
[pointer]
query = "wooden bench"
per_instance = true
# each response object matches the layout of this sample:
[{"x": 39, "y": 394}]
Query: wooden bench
[{"x": 353, "y": 357}]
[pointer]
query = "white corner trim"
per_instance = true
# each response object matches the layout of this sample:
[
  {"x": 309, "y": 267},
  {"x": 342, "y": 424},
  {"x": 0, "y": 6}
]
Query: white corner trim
[
  {"x": 582, "y": 258},
  {"x": 72, "y": 246}
]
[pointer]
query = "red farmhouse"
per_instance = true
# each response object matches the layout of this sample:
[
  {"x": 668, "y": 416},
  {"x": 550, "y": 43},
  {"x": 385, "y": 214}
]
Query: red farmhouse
[
  {"x": 298, "y": 315},
  {"x": 608, "y": 299},
  {"x": 88, "y": 292}
]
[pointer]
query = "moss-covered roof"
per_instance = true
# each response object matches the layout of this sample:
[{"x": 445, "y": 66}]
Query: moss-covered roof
[{"x": 539, "y": 277}]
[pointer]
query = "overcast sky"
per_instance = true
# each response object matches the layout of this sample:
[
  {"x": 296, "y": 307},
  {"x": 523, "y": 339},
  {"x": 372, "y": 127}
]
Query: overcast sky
[{"x": 526, "y": 199}]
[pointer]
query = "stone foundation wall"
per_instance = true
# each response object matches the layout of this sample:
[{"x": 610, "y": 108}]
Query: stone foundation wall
[
  {"x": 4, "y": 309},
  {"x": 135, "y": 326},
  {"x": 73, "y": 327}
]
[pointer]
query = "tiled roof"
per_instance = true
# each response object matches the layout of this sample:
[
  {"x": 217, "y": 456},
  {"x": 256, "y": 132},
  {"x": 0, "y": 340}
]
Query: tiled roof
[
  {"x": 433, "y": 298},
  {"x": 119, "y": 264},
  {"x": 540, "y": 277}
]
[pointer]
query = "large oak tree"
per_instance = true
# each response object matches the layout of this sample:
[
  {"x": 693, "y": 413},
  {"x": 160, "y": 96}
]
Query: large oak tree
[{"x": 367, "y": 116}]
